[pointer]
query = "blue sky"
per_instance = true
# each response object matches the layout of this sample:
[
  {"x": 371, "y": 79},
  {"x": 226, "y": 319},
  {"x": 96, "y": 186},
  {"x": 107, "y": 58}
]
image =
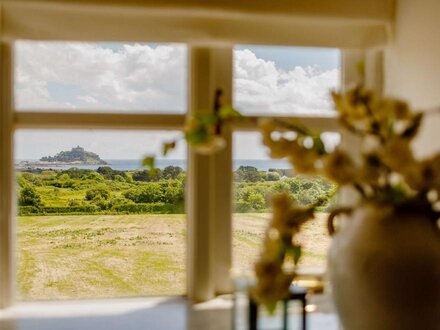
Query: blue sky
[
  {"x": 288, "y": 58},
  {"x": 152, "y": 77}
]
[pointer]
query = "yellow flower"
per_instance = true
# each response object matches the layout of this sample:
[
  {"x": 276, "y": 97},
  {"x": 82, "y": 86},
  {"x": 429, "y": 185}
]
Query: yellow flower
[
  {"x": 340, "y": 167},
  {"x": 424, "y": 175},
  {"x": 287, "y": 215},
  {"x": 192, "y": 124},
  {"x": 273, "y": 284},
  {"x": 214, "y": 144},
  {"x": 397, "y": 154},
  {"x": 372, "y": 169}
]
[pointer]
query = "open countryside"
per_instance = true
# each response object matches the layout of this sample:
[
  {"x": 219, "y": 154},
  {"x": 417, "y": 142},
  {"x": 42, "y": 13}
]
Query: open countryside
[
  {"x": 91, "y": 256},
  {"x": 109, "y": 233}
]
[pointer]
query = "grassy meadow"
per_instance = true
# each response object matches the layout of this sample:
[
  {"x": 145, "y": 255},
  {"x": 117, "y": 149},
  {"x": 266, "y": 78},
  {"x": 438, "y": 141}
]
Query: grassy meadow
[
  {"x": 109, "y": 233},
  {"x": 81, "y": 256}
]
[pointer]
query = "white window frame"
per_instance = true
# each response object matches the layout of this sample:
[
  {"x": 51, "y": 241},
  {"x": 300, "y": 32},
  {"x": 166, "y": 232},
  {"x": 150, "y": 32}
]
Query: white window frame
[{"x": 209, "y": 194}]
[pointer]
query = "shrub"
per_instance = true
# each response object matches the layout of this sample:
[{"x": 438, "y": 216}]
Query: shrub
[
  {"x": 172, "y": 191},
  {"x": 141, "y": 208},
  {"x": 119, "y": 178},
  {"x": 257, "y": 201},
  {"x": 146, "y": 176},
  {"x": 247, "y": 173},
  {"x": 28, "y": 210},
  {"x": 110, "y": 174},
  {"x": 118, "y": 201},
  {"x": 93, "y": 176},
  {"x": 28, "y": 196},
  {"x": 242, "y": 206},
  {"x": 98, "y": 191},
  {"x": 88, "y": 209},
  {"x": 99, "y": 202},
  {"x": 32, "y": 210},
  {"x": 273, "y": 176},
  {"x": 171, "y": 172},
  {"x": 149, "y": 193},
  {"x": 31, "y": 178}
]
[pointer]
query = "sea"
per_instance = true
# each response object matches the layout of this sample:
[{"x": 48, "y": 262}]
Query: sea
[{"x": 135, "y": 164}]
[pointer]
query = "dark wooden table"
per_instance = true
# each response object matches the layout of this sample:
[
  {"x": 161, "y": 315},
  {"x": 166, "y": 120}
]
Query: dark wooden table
[{"x": 296, "y": 293}]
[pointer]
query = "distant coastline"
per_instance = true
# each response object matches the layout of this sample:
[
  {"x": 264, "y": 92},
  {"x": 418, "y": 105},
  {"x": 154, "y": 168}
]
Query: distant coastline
[
  {"x": 39, "y": 163},
  {"x": 135, "y": 164}
]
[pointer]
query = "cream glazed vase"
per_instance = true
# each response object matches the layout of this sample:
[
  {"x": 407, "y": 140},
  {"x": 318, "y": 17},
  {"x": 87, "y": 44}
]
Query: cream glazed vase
[{"x": 384, "y": 270}]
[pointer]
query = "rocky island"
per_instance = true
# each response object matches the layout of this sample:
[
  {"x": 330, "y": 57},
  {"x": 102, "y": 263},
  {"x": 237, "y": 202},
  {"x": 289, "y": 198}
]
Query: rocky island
[{"x": 76, "y": 156}]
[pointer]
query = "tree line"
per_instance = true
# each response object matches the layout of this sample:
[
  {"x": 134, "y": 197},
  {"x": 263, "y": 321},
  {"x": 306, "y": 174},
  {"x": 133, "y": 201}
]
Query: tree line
[{"x": 105, "y": 190}]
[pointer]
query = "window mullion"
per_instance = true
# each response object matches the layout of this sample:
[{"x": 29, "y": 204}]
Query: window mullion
[
  {"x": 98, "y": 120},
  {"x": 200, "y": 286},
  {"x": 209, "y": 182},
  {"x": 221, "y": 173},
  {"x": 7, "y": 181}
]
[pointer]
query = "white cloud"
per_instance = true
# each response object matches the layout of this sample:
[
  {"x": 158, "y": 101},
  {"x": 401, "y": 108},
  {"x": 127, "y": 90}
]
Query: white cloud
[
  {"x": 87, "y": 99},
  {"x": 77, "y": 76},
  {"x": 263, "y": 88},
  {"x": 133, "y": 77}
]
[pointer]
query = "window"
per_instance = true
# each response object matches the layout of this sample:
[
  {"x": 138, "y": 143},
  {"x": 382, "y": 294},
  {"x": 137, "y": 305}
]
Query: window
[
  {"x": 92, "y": 222},
  {"x": 111, "y": 90},
  {"x": 286, "y": 82},
  {"x": 256, "y": 178},
  {"x": 103, "y": 77}
]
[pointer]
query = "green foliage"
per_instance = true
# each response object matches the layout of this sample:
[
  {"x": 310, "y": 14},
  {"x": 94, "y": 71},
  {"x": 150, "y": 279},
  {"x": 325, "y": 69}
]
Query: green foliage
[
  {"x": 110, "y": 174},
  {"x": 117, "y": 201},
  {"x": 147, "y": 175},
  {"x": 272, "y": 176},
  {"x": 242, "y": 206},
  {"x": 248, "y": 174},
  {"x": 28, "y": 196},
  {"x": 149, "y": 193},
  {"x": 84, "y": 191},
  {"x": 119, "y": 178},
  {"x": 170, "y": 191},
  {"x": 171, "y": 172},
  {"x": 142, "y": 208},
  {"x": 75, "y": 173},
  {"x": 100, "y": 191},
  {"x": 93, "y": 176},
  {"x": 28, "y": 210},
  {"x": 89, "y": 209},
  {"x": 31, "y": 178}
]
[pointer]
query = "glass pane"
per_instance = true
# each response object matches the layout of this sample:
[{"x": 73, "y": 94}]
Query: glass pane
[
  {"x": 92, "y": 222},
  {"x": 256, "y": 179},
  {"x": 117, "y": 77},
  {"x": 285, "y": 80}
]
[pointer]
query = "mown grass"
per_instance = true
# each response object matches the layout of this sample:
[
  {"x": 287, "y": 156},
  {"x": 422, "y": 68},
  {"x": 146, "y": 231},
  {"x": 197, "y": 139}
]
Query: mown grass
[
  {"x": 100, "y": 256},
  {"x": 64, "y": 257}
]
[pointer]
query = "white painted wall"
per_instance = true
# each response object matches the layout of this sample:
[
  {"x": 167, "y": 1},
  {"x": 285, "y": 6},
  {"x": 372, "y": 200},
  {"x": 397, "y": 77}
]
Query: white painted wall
[{"x": 412, "y": 64}]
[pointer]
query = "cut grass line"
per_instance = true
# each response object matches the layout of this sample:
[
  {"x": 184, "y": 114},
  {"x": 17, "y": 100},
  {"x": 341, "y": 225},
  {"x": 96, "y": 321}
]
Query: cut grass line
[{"x": 27, "y": 273}]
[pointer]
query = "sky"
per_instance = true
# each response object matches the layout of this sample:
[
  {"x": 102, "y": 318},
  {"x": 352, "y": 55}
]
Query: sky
[{"x": 117, "y": 77}]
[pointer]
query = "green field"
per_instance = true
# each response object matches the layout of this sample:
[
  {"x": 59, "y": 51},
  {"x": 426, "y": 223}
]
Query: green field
[{"x": 74, "y": 256}]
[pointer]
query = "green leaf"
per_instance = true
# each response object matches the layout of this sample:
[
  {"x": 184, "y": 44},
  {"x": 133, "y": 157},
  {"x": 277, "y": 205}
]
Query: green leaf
[
  {"x": 227, "y": 112},
  {"x": 197, "y": 137},
  {"x": 148, "y": 161},
  {"x": 271, "y": 307},
  {"x": 168, "y": 146},
  {"x": 319, "y": 145},
  {"x": 296, "y": 251},
  {"x": 207, "y": 119},
  {"x": 413, "y": 128}
]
